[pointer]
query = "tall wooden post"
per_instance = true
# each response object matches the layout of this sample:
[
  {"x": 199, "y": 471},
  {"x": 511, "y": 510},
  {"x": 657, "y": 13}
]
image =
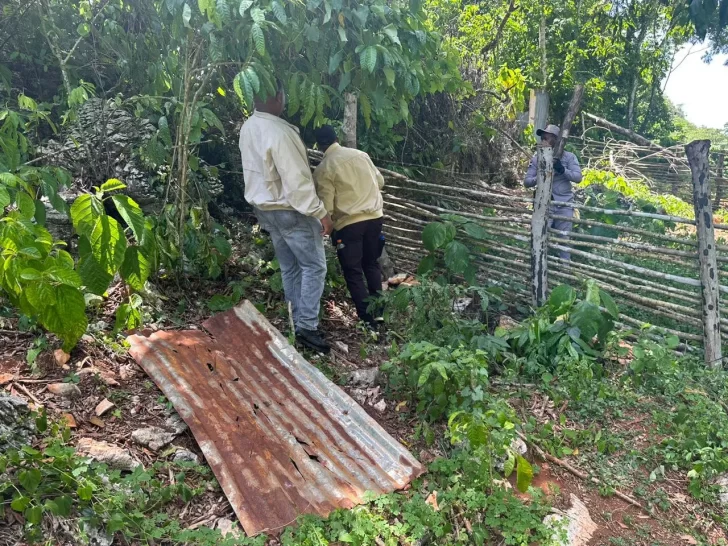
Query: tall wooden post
[
  {"x": 540, "y": 225},
  {"x": 349, "y": 123},
  {"x": 719, "y": 181},
  {"x": 698, "y": 158}
]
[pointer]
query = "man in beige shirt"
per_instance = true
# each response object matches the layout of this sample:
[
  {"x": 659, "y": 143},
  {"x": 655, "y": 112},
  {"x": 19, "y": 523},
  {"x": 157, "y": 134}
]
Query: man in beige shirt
[
  {"x": 279, "y": 185},
  {"x": 350, "y": 186}
]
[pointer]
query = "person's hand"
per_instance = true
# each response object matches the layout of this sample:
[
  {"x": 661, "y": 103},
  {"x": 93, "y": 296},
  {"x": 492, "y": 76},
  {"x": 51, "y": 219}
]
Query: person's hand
[
  {"x": 327, "y": 226},
  {"x": 558, "y": 167}
]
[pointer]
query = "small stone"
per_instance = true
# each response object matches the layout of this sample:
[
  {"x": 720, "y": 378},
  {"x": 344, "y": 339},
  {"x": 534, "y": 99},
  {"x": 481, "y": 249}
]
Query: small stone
[
  {"x": 227, "y": 527},
  {"x": 70, "y": 420},
  {"x": 154, "y": 438},
  {"x": 97, "y": 422},
  {"x": 507, "y": 323},
  {"x": 104, "y": 406},
  {"x": 87, "y": 338},
  {"x": 126, "y": 372},
  {"x": 461, "y": 304},
  {"x": 343, "y": 347},
  {"x": 380, "y": 406},
  {"x": 364, "y": 378},
  {"x": 185, "y": 455},
  {"x": 573, "y": 528},
  {"x": 62, "y": 357},
  {"x": 66, "y": 390},
  {"x": 107, "y": 453},
  {"x": 175, "y": 423}
]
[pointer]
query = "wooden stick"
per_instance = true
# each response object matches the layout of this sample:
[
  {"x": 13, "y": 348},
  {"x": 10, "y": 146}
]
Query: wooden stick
[
  {"x": 579, "y": 474},
  {"x": 28, "y": 393}
]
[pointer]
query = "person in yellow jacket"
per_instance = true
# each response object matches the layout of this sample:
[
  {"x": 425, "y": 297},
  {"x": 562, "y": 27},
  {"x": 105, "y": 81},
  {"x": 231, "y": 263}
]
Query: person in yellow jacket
[{"x": 349, "y": 185}]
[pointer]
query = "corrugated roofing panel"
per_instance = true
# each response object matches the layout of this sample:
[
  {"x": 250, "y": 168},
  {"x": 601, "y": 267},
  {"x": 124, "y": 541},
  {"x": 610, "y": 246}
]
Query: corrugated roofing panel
[{"x": 280, "y": 437}]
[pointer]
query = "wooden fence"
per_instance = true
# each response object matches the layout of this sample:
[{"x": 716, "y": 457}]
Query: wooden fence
[{"x": 663, "y": 271}]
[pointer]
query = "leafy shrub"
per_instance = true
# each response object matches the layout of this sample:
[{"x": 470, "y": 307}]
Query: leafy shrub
[
  {"x": 565, "y": 328},
  {"x": 440, "y": 379}
]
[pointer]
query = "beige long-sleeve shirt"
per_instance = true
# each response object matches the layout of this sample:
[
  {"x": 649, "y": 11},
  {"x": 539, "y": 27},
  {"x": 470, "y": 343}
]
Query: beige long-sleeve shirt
[
  {"x": 349, "y": 185},
  {"x": 275, "y": 166}
]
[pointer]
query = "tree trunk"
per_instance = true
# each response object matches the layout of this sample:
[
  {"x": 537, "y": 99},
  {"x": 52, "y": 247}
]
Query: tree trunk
[
  {"x": 574, "y": 107},
  {"x": 698, "y": 157},
  {"x": 542, "y": 47},
  {"x": 634, "y": 137},
  {"x": 538, "y": 114},
  {"x": 350, "y": 115},
  {"x": 632, "y": 99}
]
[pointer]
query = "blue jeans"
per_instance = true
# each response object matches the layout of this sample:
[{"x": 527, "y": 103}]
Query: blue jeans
[
  {"x": 562, "y": 225},
  {"x": 299, "y": 248}
]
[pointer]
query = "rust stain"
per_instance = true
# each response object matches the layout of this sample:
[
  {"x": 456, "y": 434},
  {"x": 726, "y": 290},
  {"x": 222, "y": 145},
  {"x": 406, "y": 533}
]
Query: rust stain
[{"x": 280, "y": 437}]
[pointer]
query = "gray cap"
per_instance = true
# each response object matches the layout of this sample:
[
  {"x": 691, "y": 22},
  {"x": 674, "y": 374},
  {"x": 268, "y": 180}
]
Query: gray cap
[{"x": 552, "y": 129}]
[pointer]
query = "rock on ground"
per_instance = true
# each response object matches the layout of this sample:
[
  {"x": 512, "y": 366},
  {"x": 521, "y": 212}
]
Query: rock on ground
[
  {"x": 364, "y": 378},
  {"x": 16, "y": 423},
  {"x": 64, "y": 390},
  {"x": 722, "y": 483},
  {"x": 103, "y": 452},
  {"x": 175, "y": 423},
  {"x": 154, "y": 438},
  {"x": 227, "y": 527},
  {"x": 185, "y": 455},
  {"x": 519, "y": 447},
  {"x": 574, "y": 527}
]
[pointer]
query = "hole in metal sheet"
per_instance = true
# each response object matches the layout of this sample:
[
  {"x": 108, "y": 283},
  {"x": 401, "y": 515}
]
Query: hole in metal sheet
[
  {"x": 302, "y": 442},
  {"x": 296, "y": 467},
  {"x": 314, "y": 458},
  {"x": 209, "y": 367},
  {"x": 236, "y": 379}
]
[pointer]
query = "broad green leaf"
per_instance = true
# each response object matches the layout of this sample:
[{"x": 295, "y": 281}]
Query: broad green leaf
[
  {"x": 26, "y": 205},
  {"x": 94, "y": 277},
  {"x": 135, "y": 269},
  {"x": 67, "y": 318},
  {"x": 64, "y": 276},
  {"x": 476, "y": 231},
  {"x": 40, "y": 213},
  {"x": 34, "y": 515},
  {"x": 368, "y": 58},
  {"x": 280, "y": 12},
  {"x": 342, "y": 35},
  {"x": 390, "y": 75},
  {"x": 20, "y": 503},
  {"x": 592, "y": 292},
  {"x": 108, "y": 244},
  {"x": 61, "y": 506},
  {"x": 244, "y": 6},
  {"x": 561, "y": 299},
  {"x": 256, "y": 31},
  {"x": 391, "y": 32},
  {"x": 588, "y": 318},
  {"x": 84, "y": 29},
  {"x": 335, "y": 61},
  {"x": 609, "y": 304},
  {"x": 186, "y": 15},
  {"x": 510, "y": 465},
  {"x": 427, "y": 264},
  {"x": 4, "y": 198},
  {"x": 40, "y": 295},
  {"x": 112, "y": 184},
  {"x": 86, "y": 209},
  {"x": 131, "y": 213},
  {"x": 30, "y": 479},
  {"x": 258, "y": 15},
  {"x": 524, "y": 474},
  {"x": 457, "y": 257},
  {"x": 437, "y": 235}
]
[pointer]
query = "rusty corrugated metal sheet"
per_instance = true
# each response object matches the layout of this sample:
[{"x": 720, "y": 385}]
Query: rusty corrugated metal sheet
[{"x": 280, "y": 437}]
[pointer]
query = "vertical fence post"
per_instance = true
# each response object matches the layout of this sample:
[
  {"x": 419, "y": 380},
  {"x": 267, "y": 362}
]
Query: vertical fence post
[
  {"x": 719, "y": 181},
  {"x": 540, "y": 224},
  {"x": 698, "y": 158}
]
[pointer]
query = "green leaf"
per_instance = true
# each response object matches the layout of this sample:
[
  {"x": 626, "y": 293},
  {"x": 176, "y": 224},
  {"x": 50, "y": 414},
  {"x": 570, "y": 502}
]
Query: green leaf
[
  {"x": 524, "y": 474},
  {"x": 4, "y": 198},
  {"x": 61, "y": 275},
  {"x": 366, "y": 109},
  {"x": 26, "y": 205},
  {"x": 40, "y": 213},
  {"x": 437, "y": 235},
  {"x": 368, "y": 58},
  {"x": 34, "y": 515},
  {"x": 85, "y": 492},
  {"x": 258, "y": 15},
  {"x": 253, "y": 78},
  {"x": 112, "y": 184},
  {"x": 108, "y": 244},
  {"x": 135, "y": 269},
  {"x": 258, "y": 38},
  {"x": 342, "y": 35},
  {"x": 592, "y": 292},
  {"x": 84, "y": 29},
  {"x": 457, "y": 257},
  {"x": 561, "y": 299},
  {"x": 427, "y": 264},
  {"x": 244, "y": 5},
  {"x": 390, "y": 75},
  {"x": 476, "y": 231},
  {"x": 510, "y": 465},
  {"x": 131, "y": 213},
  {"x": 67, "y": 318},
  {"x": 30, "y": 479},
  {"x": 280, "y": 12},
  {"x": 94, "y": 277},
  {"x": 186, "y": 15},
  {"x": 335, "y": 61},
  {"x": 391, "y": 32},
  {"x": 609, "y": 304},
  {"x": 85, "y": 210},
  {"x": 20, "y": 503},
  {"x": 40, "y": 295},
  {"x": 587, "y": 318},
  {"x": 61, "y": 506}
]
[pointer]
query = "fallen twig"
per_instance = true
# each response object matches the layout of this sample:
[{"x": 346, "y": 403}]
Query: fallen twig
[
  {"x": 29, "y": 394},
  {"x": 15, "y": 333},
  {"x": 583, "y": 475}
]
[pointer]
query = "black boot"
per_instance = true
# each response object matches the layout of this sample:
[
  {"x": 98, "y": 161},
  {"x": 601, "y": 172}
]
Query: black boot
[{"x": 313, "y": 340}]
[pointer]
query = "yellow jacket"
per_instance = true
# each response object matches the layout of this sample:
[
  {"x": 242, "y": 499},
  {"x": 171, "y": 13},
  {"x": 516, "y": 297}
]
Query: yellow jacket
[
  {"x": 275, "y": 167},
  {"x": 349, "y": 185}
]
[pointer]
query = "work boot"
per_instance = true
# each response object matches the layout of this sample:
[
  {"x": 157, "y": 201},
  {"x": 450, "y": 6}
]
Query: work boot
[{"x": 313, "y": 340}]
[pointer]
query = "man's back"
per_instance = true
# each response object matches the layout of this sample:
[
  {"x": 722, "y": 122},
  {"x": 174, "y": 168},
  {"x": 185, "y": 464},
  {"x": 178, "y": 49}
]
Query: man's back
[
  {"x": 349, "y": 185},
  {"x": 275, "y": 166}
]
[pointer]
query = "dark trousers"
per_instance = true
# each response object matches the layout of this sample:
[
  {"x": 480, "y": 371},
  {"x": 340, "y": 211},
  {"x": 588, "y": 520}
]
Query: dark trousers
[{"x": 359, "y": 248}]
